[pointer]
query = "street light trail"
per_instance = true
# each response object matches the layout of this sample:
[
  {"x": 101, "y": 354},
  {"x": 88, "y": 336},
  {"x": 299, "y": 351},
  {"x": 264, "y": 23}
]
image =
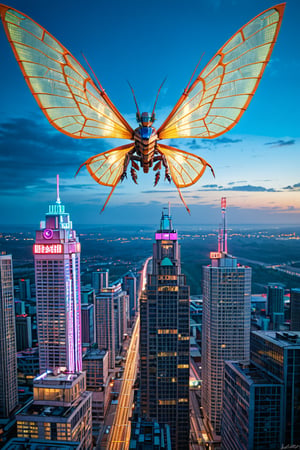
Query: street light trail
[{"x": 120, "y": 433}]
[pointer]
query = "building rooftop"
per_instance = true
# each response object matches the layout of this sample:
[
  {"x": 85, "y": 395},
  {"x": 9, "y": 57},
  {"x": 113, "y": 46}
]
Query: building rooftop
[
  {"x": 281, "y": 338},
  {"x": 94, "y": 353},
  {"x": 67, "y": 379},
  {"x": 53, "y": 413},
  {"x": 252, "y": 374},
  {"x": 40, "y": 444}
]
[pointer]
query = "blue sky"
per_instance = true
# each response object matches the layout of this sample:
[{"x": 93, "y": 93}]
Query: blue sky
[{"x": 256, "y": 164}]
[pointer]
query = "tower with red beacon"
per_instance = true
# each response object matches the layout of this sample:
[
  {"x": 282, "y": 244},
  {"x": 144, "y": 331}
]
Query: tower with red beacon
[{"x": 57, "y": 277}]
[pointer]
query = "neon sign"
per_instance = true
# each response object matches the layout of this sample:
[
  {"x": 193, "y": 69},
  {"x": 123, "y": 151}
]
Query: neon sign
[
  {"x": 48, "y": 233},
  {"x": 215, "y": 255},
  {"x": 47, "y": 249},
  {"x": 166, "y": 236}
]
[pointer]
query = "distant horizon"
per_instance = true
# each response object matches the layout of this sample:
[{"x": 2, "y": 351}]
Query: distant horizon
[{"x": 177, "y": 226}]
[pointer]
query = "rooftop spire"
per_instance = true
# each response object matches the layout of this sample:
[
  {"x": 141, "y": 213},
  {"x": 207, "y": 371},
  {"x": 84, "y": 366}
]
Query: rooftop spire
[
  {"x": 224, "y": 234},
  {"x": 166, "y": 221},
  {"x": 57, "y": 189}
]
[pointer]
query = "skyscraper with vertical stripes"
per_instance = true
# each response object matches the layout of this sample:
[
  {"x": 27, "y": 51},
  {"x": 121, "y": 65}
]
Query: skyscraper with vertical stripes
[
  {"x": 8, "y": 358},
  {"x": 57, "y": 277},
  {"x": 225, "y": 322},
  {"x": 164, "y": 338}
]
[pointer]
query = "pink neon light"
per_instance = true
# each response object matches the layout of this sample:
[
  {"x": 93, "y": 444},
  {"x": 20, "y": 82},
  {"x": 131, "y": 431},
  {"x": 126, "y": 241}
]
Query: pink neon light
[
  {"x": 46, "y": 249},
  {"x": 223, "y": 202},
  {"x": 166, "y": 236}
]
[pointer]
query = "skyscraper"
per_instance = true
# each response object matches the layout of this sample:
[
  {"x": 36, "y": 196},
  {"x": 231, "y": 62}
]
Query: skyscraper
[
  {"x": 130, "y": 286},
  {"x": 164, "y": 338},
  {"x": 8, "y": 358},
  {"x": 226, "y": 323},
  {"x": 275, "y": 304},
  {"x": 111, "y": 320},
  {"x": 57, "y": 278},
  {"x": 100, "y": 280},
  {"x": 295, "y": 309}
]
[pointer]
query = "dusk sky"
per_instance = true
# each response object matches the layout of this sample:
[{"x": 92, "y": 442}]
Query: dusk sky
[{"x": 256, "y": 164}]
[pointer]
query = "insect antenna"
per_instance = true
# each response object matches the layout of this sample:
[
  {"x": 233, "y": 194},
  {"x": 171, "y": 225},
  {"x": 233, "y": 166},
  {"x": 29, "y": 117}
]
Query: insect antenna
[
  {"x": 138, "y": 114},
  {"x": 97, "y": 81},
  {"x": 152, "y": 115},
  {"x": 186, "y": 89}
]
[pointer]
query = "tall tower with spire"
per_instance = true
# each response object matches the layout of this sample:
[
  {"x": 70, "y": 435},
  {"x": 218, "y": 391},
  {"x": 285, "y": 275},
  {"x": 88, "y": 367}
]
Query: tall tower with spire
[
  {"x": 164, "y": 338},
  {"x": 225, "y": 322},
  {"x": 57, "y": 277}
]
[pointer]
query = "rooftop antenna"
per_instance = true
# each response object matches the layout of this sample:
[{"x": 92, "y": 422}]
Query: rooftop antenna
[
  {"x": 152, "y": 115},
  {"x": 224, "y": 234},
  {"x": 57, "y": 189},
  {"x": 169, "y": 209}
]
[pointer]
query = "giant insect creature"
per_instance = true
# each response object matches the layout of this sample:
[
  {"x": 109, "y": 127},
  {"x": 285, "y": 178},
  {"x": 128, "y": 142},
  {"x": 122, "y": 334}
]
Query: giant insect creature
[{"x": 208, "y": 107}]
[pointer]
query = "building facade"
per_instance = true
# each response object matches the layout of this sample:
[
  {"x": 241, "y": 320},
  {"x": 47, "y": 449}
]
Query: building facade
[
  {"x": 278, "y": 353},
  {"x": 225, "y": 325},
  {"x": 130, "y": 286},
  {"x": 8, "y": 359},
  {"x": 295, "y": 309},
  {"x": 61, "y": 410},
  {"x": 87, "y": 323},
  {"x": 252, "y": 408},
  {"x": 111, "y": 320},
  {"x": 164, "y": 338},
  {"x": 57, "y": 278},
  {"x": 275, "y": 305}
]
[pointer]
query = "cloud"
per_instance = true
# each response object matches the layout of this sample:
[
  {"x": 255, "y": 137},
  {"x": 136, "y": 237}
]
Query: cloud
[
  {"x": 245, "y": 188},
  {"x": 225, "y": 140},
  {"x": 236, "y": 182},
  {"x": 281, "y": 143},
  {"x": 295, "y": 187},
  {"x": 31, "y": 151}
]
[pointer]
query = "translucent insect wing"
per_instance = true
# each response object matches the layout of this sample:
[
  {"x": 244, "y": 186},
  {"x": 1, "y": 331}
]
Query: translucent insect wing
[
  {"x": 185, "y": 168},
  {"x": 62, "y": 88},
  {"x": 222, "y": 92}
]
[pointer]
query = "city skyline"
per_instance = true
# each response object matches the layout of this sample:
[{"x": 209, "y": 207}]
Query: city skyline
[{"x": 255, "y": 163}]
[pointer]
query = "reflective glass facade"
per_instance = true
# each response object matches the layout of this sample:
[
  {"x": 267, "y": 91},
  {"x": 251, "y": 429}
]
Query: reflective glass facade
[
  {"x": 164, "y": 339},
  {"x": 278, "y": 353},
  {"x": 252, "y": 402}
]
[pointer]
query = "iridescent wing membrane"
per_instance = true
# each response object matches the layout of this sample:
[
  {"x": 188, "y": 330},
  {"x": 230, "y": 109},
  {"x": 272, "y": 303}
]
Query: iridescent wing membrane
[
  {"x": 222, "y": 92},
  {"x": 62, "y": 88}
]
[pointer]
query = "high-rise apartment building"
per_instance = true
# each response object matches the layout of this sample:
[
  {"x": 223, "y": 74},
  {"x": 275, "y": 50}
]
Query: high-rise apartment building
[
  {"x": 57, "y": 278},
  {"x": 8, "y": 358},
  {"x": 225, "y": 323},
  {"x": 164, "y": 338},
  {"x": 278, "y": 353},
  {"x": 295, "y": 309}
]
